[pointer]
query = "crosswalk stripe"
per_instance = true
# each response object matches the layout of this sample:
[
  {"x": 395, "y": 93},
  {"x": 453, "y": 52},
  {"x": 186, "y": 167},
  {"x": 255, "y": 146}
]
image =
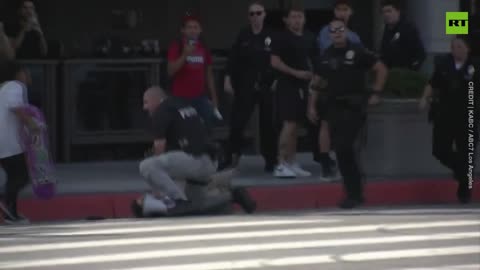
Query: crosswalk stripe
[
  {"x": 130, "y": 222},
  {"x": 360, "y": 228},
  {"x": 225, "y": 236},
  {"x": 313, "y": 260},
  {"x": 428, "y": 225},
  {"x": 246, "y": 264},
  {"x": 172, "y": 227},
  {"x": 450, "y": 267},
  {"x": 254, "y": 248},
  {"x": 410, "y": 253},
  {"x": 406, "y": 211}
]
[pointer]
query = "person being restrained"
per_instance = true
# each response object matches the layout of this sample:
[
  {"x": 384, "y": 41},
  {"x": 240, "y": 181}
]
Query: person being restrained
[{"x": 182, "y": 151}]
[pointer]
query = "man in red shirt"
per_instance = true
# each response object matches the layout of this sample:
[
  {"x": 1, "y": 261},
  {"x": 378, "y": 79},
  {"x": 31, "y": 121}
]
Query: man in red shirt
[{"x": 190, "y": 68}]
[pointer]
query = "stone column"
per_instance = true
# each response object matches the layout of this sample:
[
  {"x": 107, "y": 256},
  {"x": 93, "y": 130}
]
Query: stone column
[
  {"x": 429, "y": 17},
  {"x": 378, "y": 24}
]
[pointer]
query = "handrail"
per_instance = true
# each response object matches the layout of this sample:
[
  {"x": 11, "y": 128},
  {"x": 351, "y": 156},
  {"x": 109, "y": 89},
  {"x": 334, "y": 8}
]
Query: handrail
[
  {"x": 40, "y": 62},
  {"x": 216, "y": 60},
  {"x": 115, "y": 61}
]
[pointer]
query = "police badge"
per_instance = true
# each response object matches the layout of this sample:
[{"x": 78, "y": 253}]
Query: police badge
[
  {"x": 396, "y": 36},
  {"x": 350, "y": 55},
  {"x": 268, "y": 42},
  {"x": 470, "y": 72}
]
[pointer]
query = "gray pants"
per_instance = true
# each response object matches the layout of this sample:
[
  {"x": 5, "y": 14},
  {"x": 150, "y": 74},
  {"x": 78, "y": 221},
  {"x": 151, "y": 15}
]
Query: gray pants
[{"x": 161, "y": 170}]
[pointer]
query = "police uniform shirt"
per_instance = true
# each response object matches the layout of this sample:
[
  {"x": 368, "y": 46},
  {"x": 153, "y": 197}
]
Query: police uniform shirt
[
  {"x": 249, "y": 61},
  {"x": 450, "y": 85},
  {"x": 297, "y": 52},
  {"x": 343, "y": 70},
  {"x": 181, "y": 126},
  {"x": 402, "y": 47}
]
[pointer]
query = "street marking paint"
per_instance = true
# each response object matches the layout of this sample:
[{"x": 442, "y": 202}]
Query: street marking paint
[{"x": 169, "y": 253}]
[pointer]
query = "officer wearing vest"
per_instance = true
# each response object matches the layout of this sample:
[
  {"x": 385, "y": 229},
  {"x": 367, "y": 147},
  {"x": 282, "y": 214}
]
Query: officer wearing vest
[
  {"x": 452, "y": 113},
  {"x": 249, "y": 78},
  {"x": 340, "y": 79},
  {"x": 182, "y": 151}
]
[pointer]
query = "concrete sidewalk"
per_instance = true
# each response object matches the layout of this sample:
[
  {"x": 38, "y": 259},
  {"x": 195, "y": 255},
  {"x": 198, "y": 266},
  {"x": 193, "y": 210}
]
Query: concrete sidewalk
[
  {"x": 123, "y": 176},
  {"x": 106, "y": 190}
]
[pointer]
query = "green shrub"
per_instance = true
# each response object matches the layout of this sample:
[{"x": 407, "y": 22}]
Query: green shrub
[{"x": 403, "y": 83}]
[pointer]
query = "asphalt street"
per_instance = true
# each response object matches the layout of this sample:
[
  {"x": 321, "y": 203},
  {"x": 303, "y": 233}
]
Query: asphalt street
[{"x": 414, "y": 238}]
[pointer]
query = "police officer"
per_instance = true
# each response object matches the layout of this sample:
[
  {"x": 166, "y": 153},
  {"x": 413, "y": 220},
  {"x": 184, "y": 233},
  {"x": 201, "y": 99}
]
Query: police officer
[
  {"x": 181, "y": 151},
  {"x": 249, "y": 78},
  {"x": 343, "y": 10},
  {"x": 340, "y": 76},
  {"x": 449, "y": 89},
  {"x": 401, "y": 43}
]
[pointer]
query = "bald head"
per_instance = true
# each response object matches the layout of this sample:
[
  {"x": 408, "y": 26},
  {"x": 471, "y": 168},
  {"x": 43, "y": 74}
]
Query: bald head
[
  {"x": 155, "y": 92},
  {"x": 152, "y": 97}
]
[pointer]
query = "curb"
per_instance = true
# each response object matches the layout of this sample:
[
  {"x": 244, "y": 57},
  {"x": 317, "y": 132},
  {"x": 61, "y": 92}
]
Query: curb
[{"x": 296, "y": 197}]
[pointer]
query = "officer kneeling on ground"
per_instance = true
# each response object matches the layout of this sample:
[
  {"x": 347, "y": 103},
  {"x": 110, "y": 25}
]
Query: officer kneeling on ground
[
  {"x": 182, "y": 152},
  {"x": 340, "y": 79}
]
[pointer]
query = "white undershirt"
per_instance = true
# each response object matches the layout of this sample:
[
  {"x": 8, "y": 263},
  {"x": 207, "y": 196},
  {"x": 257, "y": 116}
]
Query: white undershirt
[
  {"x": 458, "y": 65},
  {"x": 12, "y": 95}
]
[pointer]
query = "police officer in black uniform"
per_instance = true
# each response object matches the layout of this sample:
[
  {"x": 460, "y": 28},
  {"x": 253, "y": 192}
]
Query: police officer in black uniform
[
  {"x": 401, "y": 43},
  {"x": 340, "y": 76},
  {"x": 449, "y": 112},
  {"x": 182, "y": 150},
  {"x": 249, "y": 78}
]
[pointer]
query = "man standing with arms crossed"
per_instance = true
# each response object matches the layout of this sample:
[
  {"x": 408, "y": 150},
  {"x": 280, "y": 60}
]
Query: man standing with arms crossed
[
  {"x": 190, "y": 68},
  {"x": 293, "y": 55},
  {"x": 340, "y": 77}
]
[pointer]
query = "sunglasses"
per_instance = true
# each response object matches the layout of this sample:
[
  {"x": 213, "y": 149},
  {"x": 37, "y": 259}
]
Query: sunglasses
[
  {"x": 337, "y": 30},
  {"x": 255, "y": 13}
]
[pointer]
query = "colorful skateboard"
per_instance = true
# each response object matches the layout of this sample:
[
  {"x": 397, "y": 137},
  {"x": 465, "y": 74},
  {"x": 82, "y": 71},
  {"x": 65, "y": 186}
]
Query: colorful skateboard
[{"x": 39, "y": 161}]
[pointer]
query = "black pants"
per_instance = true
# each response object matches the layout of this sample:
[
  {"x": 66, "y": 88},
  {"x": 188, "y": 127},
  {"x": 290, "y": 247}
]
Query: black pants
[
  {"x": 243, "y": 107},
  {"x": 17, "y": 178},
  {"x": 313, "y": 133},
  {"x": 314, "y": 130},
  {"x": 448, "y": 131},
  {"x": 346, "y": 125}
]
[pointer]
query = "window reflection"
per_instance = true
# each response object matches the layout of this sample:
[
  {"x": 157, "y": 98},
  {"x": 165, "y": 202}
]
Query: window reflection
[
  {"x": 109, "y": 97},
  {"x": 37, "y": 88}
]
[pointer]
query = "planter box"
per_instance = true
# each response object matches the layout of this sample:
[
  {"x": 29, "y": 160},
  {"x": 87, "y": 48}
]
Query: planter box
[{"x": 400, "y": 142}]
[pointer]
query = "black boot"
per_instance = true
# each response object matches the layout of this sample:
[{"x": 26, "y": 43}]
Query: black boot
[
  {"x": 464, "y": 194},
  {"x": 270, "y": 165},
  {"x": 136, "y": 209},
  {"x": 243, "y": 198},
  {"x": 350, "y": 203}
]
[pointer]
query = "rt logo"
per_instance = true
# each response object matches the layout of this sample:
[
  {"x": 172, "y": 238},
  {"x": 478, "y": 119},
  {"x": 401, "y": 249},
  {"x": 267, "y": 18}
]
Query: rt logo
[{"x": 457, "y": 23}]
